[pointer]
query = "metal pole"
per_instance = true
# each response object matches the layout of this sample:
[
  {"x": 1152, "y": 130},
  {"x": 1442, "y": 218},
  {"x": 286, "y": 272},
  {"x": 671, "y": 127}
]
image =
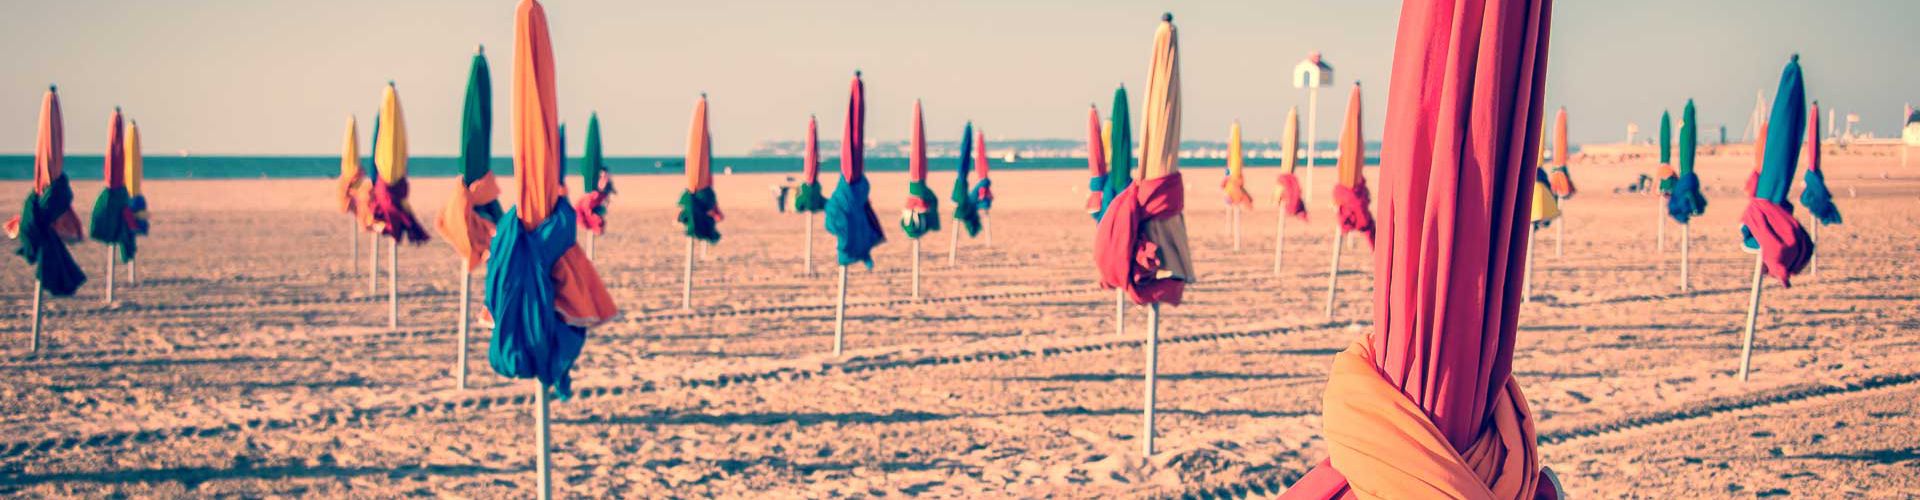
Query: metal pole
[
  {"x": 133, "y": 272},
  {"x": 840, "y": 315},
  {"x": 1813, "y": 261},
  {"x": 1559, "y": 237},
  {"x": 1153, "y": 366},
  {"x": 591, "y": 238},
  {"x": 953, "y": 244},
  {"x": 1236, "y": 228},
  {"x": 353, "y": 231},
  {"x": 466, "y": 315},
  {"x": 916, "y": 269},
  {"x": 1333, "y": 274},
  {"x": 1313, "y": 136},
  {"x": 373, "y": 263},
  {"x": 1526, "y": 282},
  {"x": 1660, "y": 221},
  {"x": 1753, "y": 312},
  {"x": 1279, "y": 241},
  {"x": 39, "y": 289},
  {"x": 110, "y": 248},
  {"x": 393, "y": 286},
  {"x": 686, "y": 284},
  {"x": 1686, "y": 255},
  {"x": 544, "y": 438},
  {"x": 809, "y": 244},
  {"x": 986, "y": 224},
  {"x": 1119, "y": 311}
]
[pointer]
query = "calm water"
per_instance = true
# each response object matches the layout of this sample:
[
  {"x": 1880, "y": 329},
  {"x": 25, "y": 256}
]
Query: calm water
[{"x": 87, "y": 167}]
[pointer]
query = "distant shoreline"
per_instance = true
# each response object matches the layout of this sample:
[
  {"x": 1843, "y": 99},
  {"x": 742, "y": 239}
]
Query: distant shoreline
[{"x": 87, "y": 167}]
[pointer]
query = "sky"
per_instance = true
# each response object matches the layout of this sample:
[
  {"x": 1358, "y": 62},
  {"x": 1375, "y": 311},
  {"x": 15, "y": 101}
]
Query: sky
[{"x": 280, "y": 77}]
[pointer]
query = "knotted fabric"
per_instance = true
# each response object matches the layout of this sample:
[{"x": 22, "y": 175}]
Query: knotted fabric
[
  {"x": 592, "y": 211},
  {"x": 1817, "y": 199},
  {"x": 1094, "y": 204},
  {"x": 700, "y": 214},
  {"x": 1686, "y": 202},
  {"x": 1289, "y": 197},
  {"x": 809, "y": 199},
  {"x": 1561, "y": 182},
  {"x": 45, "y": 225},
  {"x": 1783, "y": 244},
  {"x": 113, "y": 222},
  {"x": 922, "y": 214},
  {"x": 1235, "y": 186},
  {"x": 1386, "y": 446},
  {"x": 467, "y": 228},
  {"x": 1124, "y": 255},
  {"x": 394, "y": 217},
  {"x": 983, "y": 194},
  {"x": 1354, "y": 213},
  {"x": 850, "y": 217},
  {"x": 543, "y": 295}
]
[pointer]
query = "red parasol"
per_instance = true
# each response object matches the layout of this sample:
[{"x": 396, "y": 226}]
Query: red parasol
[{"x": 1426, "y": 406}]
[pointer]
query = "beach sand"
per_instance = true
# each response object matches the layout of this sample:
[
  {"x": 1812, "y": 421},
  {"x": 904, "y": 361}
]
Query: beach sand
[{"x": 252, "y": 360}]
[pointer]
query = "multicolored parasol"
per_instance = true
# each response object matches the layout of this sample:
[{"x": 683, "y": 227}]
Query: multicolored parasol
[{"x": 1426, "y": 406}]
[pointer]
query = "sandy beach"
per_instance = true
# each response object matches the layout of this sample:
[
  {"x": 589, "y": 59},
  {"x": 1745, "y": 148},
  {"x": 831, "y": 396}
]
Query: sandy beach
[{"x": 252, "y": 359}]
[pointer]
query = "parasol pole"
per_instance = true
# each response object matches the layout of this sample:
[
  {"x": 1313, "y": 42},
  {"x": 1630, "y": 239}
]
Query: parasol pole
[
  {"x": 1753, "y": 311},
  {"x": 1659, "y": 212},
  {"x": 393, "y": 286},
  {"x": 39, "y": 290},
  {"x": 1526, "y": 282},
  {"x": 110, "y": 248},
  {"x": 1279, "y": 241},
  {"x": 986, "y": 224},
  {"x": 373, "y": 264},
  {"x": 686, "y": 284},
  {"x": 544, "y": 439},
  {"x": 353, "y": 232},
  {"x": 953, "y": 247},
  {"x": 1559, "y": 237},
  {"x": 1813, "y": 259},
  {"x": 590, "y": 240},
  {"x": 1686, "y": 254},
  {"x": 840, "y": 315},
  {"x": 466, "y": 315},
  {"x": 133, "y": 272},
  {"x": 1153, "y": 366},
  {"x": 1333, "y": 275},
  {"x": 809, "y": 244},
  {"x": 916, "y": 269},
  {"x": 1236, "y": 229},
  {"x": 1119, "y": 311}
]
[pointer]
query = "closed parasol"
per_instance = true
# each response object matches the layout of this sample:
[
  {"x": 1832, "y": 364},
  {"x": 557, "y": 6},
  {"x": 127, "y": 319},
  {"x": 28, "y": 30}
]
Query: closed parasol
[
  {"x": 922, "y": 212},
  {"x": 1426, "y": 406},
  {"x": 1141, "y": 246},
  {"x": 1096, "y": 163},
  {"x": 1560, "y": 178},
  {"x": 596, "y": 182},
  {"x": 112, "y": 221},
  {"x": 46, "y": 222},
  {"x": 1767, "y": 226},
  {"x": 850, "y": 215},
  {"x": 542, "y": 290}
]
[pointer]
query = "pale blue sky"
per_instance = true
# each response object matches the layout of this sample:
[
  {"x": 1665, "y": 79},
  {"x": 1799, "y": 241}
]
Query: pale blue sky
[{"x": 280, "y": 76}]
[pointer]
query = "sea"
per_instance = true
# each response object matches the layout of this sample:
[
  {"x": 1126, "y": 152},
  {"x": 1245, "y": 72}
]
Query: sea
[{"x": 87, "y": 167}]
